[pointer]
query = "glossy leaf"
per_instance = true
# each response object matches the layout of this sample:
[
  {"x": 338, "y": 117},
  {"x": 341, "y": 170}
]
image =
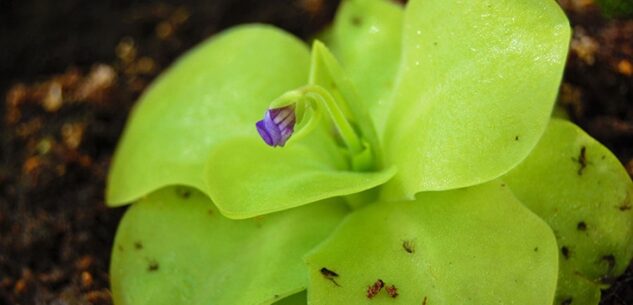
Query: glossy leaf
[
  {"x": 478, "y": 246},
  {"x": 215, "y": 92},
  {"x": 366, "y": 38},
  {"x": 174, "y": 247},
  {"x": 577, "y": 186},
  {"x": 247, "y": 178},
  {"x": 475, "y": 90}
]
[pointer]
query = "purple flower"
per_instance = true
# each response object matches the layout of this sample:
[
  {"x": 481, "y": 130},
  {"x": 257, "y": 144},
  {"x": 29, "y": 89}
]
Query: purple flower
[{"x": 277, "y": 125}]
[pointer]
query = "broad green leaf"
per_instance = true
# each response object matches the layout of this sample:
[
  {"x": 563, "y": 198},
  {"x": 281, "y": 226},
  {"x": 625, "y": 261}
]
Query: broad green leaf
[
  {"x": 475, "y": 89},
  {"x": 582, "y": 191},
  {"x": 174, "y": 247},
  {"x": 247, "y": 178},
  {"x": 477, "y": 246},
  {"x": 215, "y": 92},
  {"x": 366, "y": 38}
]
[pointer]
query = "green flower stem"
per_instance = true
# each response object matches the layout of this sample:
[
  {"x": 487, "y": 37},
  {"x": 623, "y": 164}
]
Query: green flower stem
[
  {"x": 323, "y": 98},
  {"x": 317, "y": 98}
]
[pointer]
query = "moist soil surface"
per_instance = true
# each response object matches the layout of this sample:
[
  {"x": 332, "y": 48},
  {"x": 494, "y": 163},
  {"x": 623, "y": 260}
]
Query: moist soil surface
[{"x": 71, "y": 70}]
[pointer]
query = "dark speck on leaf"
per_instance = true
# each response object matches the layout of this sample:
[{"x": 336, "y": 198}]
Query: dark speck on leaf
[
  {"x": 152, "y": 266},
  {"x": 582, "y": 160},
  {"x": 408, "y": 246},
  {"x": 582, "y": 226},
  {"x": 183, "y": 192},
  {"x": 424, "y": 301},
  {"x": 330, "y": 275},
  {"x": 535, "y": 249},
  {"x": 565, "y": 251},
  {"x": 356, "y": 21},
  {"x": 566, "y": 301},
  {"x": 625, "y": 206},
  {"x": 138, "y": 245},
  {"x": 516, "y": 138}
]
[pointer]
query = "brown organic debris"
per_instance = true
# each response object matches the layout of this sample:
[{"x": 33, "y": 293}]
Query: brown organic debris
[
  {"x": 582, "y": 160},
  {"x": 392, "y": 291},
  {"x": 375, "y": 288},
  {"x": 86, "y": 279}
]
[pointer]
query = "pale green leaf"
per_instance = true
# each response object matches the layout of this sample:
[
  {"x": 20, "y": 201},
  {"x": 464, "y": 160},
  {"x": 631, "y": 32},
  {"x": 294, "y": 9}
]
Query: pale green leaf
[
  {"x": 215, "y": 92},
  {"x": 174, "y": 247},
  {"x": 582, "y": 191},
  {"x": 475, "y": 90},
  {"x": 245, "y": 177},
  {"x": 366, "y": 38},
  {"x": 477, "y": 246}
]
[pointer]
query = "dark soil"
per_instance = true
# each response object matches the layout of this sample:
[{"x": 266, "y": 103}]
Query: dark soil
[{"x": 70, "y": 70}]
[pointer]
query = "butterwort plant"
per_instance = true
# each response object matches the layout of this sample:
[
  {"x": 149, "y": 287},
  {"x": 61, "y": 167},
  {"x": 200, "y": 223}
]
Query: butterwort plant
[{"x": 408, "y": 156}]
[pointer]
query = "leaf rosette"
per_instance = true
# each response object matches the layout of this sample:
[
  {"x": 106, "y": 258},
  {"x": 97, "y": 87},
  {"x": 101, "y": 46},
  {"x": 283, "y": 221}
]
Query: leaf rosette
[{"x": 408, "y": 157}]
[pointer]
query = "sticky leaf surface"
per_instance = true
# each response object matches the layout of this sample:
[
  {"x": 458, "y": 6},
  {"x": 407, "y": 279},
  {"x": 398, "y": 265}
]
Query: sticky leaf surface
[
  {"x": 478, "y": 245},
  {"x": 475, "y": 89},
  {"x": 174, "y": 247},
  {"x": 247, "y": 178},
  {"x": 366, "y": 38},
  {"x": 582, "y": 191},
  {"x": 215, "y": 92}
]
